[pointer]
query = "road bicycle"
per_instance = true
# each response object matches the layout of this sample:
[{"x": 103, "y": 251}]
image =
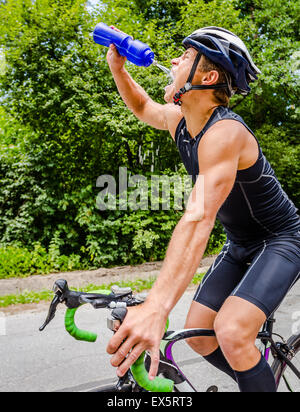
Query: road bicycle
[{"x": 286, "y": 353}]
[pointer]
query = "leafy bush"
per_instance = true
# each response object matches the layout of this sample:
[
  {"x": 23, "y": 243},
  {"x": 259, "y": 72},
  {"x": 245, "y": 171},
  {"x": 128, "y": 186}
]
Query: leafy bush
[
  {"x": 89, "y": 238},
  {"x": 17, "y": 261}
]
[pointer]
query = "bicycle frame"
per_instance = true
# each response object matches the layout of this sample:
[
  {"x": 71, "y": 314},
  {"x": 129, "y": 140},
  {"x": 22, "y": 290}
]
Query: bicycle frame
[
  {"x": 170, "y": 365},
  {"x": 167, "y": 344}
]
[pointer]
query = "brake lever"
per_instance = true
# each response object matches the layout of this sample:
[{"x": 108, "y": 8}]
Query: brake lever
[
  {"x": 60, "y": 289},
  {"x": 51, "y": 313}
]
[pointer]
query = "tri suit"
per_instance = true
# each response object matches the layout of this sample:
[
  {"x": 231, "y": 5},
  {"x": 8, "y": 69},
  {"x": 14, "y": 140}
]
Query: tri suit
[{"x": 260, "y": 261}]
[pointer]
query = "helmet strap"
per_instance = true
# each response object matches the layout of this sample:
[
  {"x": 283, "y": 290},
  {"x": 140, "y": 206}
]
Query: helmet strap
[{"x": 188, "y": 86}]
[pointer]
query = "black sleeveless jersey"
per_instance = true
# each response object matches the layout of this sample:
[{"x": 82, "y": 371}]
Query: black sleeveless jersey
[{"x": 257, "y": 207}]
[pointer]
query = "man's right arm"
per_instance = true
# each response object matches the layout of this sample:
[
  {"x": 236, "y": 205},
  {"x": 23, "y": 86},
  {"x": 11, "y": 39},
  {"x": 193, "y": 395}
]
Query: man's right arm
[{"x": 162, "y": 117}]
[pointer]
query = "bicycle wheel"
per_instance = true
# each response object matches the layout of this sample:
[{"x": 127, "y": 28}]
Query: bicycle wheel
[{"x": 286, "y": 379}]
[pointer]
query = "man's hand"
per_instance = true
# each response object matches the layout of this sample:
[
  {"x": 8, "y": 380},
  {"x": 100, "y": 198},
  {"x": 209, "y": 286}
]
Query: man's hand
[
  {"x": 142, "y": 329},
  {"x": 115, "y": 61}
]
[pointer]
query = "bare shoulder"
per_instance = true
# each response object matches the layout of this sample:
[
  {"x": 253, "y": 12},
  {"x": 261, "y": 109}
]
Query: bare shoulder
[{"x": 225, "y": 136}]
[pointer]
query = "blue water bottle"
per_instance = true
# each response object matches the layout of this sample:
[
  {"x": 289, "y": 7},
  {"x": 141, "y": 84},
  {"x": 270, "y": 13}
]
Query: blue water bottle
[{"x": 136, "y": 52}]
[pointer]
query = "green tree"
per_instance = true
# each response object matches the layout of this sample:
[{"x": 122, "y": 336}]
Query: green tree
[{"x": 63, "y": 123}]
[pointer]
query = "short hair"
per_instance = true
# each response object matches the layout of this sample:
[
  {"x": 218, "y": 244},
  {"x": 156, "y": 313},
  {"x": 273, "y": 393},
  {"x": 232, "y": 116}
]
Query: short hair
[{"x": 221, "y": 95}]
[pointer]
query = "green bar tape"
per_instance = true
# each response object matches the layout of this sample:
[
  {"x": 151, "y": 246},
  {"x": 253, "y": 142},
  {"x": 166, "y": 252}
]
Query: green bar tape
[
  {"x": 72, "y": 329},
  {"x": 167, "y": 325},
  {"x": 101, "y": 292},
  {"x": 140, "y": 374}
]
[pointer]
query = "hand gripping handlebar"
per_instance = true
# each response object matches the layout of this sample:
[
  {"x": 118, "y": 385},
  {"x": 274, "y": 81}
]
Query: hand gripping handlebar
[{"x": 139, "y": 370}]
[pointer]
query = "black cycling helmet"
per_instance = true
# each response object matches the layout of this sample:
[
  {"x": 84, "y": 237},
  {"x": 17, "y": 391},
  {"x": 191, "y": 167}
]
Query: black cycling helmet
[{"x": 228, "y": 52}]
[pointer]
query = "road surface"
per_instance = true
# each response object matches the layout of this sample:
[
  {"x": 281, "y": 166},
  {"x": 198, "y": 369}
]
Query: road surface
[{"x": 31, "y": 361}]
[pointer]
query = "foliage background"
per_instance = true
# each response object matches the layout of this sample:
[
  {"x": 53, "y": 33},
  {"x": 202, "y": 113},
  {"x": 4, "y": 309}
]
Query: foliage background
[{"x": 63, "y": 124}]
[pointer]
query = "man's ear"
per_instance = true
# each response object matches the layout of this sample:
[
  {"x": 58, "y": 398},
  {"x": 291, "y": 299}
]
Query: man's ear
[{"x": 210, "y": 77}]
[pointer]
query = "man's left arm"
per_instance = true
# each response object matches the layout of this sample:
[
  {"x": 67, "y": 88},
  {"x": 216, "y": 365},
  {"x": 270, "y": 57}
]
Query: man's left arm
[{"x": 144, "y": 325}]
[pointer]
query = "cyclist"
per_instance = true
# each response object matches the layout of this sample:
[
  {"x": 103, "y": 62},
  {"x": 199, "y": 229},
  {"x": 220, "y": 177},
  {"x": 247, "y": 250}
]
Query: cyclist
[{"x": 261, "y": 258}]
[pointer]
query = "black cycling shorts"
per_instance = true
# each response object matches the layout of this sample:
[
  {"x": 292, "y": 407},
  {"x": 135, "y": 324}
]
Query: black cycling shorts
[{"x": 262, "y": 273}]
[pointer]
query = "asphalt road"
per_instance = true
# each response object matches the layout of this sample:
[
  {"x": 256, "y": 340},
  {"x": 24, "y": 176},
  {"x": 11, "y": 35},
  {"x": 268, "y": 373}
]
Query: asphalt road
[{"x": 31, "y": 361}]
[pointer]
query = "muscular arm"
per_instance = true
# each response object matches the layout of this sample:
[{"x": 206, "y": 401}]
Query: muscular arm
[
  {"x": 218, "y": 159},
  {"x": 162, "y": 117},
  {"x": 219, "y": 153}
]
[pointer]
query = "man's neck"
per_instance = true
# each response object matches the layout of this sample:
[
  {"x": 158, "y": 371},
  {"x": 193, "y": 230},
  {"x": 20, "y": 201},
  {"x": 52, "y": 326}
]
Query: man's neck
[{"x": 197, "y": 113}]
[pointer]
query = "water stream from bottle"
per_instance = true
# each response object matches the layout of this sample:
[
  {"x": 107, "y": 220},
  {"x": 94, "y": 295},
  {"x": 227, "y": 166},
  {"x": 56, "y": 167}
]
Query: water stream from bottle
[{"x": 165, "y": 70}]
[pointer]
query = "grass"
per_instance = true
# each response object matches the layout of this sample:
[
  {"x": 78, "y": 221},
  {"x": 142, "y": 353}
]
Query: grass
[{"x": 137, "y": 285}]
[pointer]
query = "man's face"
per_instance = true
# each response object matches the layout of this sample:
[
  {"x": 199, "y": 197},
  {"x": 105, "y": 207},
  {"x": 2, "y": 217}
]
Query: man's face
[{"x": 181, "y": 69}]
